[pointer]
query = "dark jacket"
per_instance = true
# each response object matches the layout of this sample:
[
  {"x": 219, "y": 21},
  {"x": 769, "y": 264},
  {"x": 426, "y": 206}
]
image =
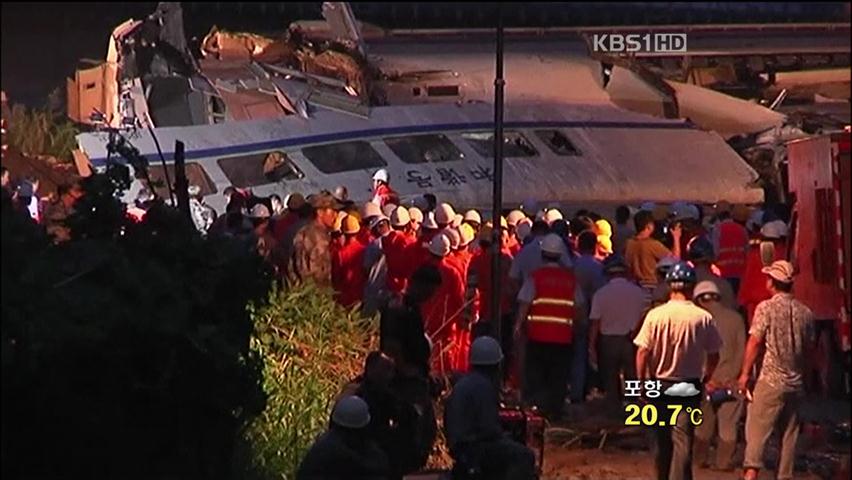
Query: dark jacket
[
  {"x": 471, "y": 414},
  {"x": 339, "y": 455}
]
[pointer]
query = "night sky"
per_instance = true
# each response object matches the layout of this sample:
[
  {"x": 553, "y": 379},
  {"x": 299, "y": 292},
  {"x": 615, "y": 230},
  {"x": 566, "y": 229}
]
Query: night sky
[{"x": 42, "y": 42}]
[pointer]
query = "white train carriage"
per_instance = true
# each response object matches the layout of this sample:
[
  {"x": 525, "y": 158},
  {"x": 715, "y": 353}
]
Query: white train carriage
[{"x": 566, "y": 154}]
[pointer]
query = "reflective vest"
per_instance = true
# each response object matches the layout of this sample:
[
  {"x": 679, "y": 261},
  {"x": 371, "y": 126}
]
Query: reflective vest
[
  {"x": 731, "y": 257},
  {"x": 551, "y": 315}
]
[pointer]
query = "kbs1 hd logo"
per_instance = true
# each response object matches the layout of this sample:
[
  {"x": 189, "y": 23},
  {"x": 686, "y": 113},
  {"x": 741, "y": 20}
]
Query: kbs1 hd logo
[{"x": 639, "y": 43}]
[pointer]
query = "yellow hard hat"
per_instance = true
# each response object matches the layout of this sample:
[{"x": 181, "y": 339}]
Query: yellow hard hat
[
  {"x": 605, "y": 243},
  {"x": 602, "y": 227},
  {"x": 467, "y": 234},
  {"x": 350, "y": 225},
  {"x": 338, "y": 222}
]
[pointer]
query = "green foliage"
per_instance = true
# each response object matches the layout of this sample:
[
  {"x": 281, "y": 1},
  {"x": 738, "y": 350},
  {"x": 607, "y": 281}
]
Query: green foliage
[
  {"x": 40, "y": 132},
  {"x": 311, "y": 347},
  {"x": 126, "y": 351}
]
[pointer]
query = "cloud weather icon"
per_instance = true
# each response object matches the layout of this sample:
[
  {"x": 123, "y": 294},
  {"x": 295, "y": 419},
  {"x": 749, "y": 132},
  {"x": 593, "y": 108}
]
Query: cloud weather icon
[{"x": 682, "y": 389}]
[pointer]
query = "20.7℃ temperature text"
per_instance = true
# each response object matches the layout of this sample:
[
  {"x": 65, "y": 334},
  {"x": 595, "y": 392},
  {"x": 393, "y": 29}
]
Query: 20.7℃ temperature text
[{"x": 648, "y": 415}]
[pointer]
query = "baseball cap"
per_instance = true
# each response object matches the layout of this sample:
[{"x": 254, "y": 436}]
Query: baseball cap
[
  {"x": 780, "y": 270},
  {"x": 704, "y": 288}
]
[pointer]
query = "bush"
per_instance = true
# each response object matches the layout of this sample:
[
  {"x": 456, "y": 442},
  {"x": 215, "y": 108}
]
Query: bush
[
  {"x": 40, "y": 132},
  {"x": 311, "y": 347},
  {"x": 126, "y": 350}
]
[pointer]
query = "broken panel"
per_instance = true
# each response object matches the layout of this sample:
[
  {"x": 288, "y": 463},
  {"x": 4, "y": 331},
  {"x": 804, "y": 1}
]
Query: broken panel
[
  {"x": 344, "y": 157},
  {"x": 259, "y": 169},
  {"x": 424, "y": 149},
  {"x": 557, "y": 142},
  {"x": 515, "y": 144}
]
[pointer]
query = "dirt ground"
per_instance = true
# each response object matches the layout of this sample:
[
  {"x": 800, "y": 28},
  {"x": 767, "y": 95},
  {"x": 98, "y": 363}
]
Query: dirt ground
[{"x": 577, "y": 449}]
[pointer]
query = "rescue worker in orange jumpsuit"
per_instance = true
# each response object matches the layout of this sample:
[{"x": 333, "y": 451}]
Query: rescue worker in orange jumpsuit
[
  {"x": 480, "y": 288},
  {"x": 383, "y": 194},
  {"x": 770, "y": 248},
  {"x": 347, "y": 265},
  {"x": 368, "y": 211},
  {"x": 444, "y": 215},
  {"x": 512, "y": 221},
  {"x": 416, "y": 219},
  {"x": 396, "y": 247},
  {"x": 444, "y": 307},
  {"x": 461, "y": 330},
  {"x": 546, "y": 312},
  {"x": 730, "y": 242}
]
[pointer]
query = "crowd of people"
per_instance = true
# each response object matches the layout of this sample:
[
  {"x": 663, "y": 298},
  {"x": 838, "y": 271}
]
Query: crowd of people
[{"x": 660, "y": 295}]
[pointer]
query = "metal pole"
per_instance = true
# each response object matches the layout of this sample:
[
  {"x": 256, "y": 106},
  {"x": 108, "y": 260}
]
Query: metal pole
[
  {"x": 497, "y": 205},
  {"x": 181, "y": 182}
]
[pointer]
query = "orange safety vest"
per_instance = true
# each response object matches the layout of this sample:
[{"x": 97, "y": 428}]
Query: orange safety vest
[
  {"x": 731, "y": 257},
  {"x": 551, "y": 315}
]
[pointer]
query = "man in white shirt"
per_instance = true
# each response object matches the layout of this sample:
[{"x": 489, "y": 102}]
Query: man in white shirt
[
  {"x": 617, "y": 310},
  {"x": 673, "y": 342}
]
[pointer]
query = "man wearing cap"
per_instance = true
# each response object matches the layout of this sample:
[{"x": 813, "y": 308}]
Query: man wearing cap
[
  {"x": 368, "y": 211},
  {"x": 617, "y": 310},
  {"x": 267, "y": 247},
  {"x": 416, "y": 216},
  {"x": 383, "y": 194},
  {"x": 472, "y": 218},
  {"x": 444, "y": 215},
  {"x": 475, "y": 437},
  {"x": 546, "y": 313},
  {"x": 730, "y": 242},
  {"x": 772, "y": 246},
  {"x": 660, "y": 294},
  {"x": 311, "y": 257},
  {"x": 677, "y": 343},
  {"x": 512, "y": 221},
  {"x": 529, "y": 258},
  {"x": 642, "y": 252},
  {"x": 783, "y": 328},
  {"x": 295, "y": 209},
  {"x": 345, "y": 450},
  {"x": 347, "y": 265},
  {"x": 724, "y": 415}
]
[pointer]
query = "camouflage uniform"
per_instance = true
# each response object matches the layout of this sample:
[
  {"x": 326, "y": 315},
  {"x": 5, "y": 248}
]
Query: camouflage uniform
[{"x": 310, "y": 257}]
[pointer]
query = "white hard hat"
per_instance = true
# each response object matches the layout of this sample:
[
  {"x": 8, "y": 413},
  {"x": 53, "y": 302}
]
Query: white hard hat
[
  {"x": 445, "y": 214},
  {"x": 388, "y": 209},
  {"x": 440, "y": 245},
  {"x": 457, "y": 220},
  {"x": 415, "y": 214},
  {"x": 515, "y": 216},
  {"x": 485, "y": 351},
  {"x": 552, "y": 244},
  {"x": 429, "y": 221},
  {"x": 370, "y": 209},
  {"x": 259, "y": 211},
  {"x": 381, "y": 175},
  {"x": 454, "y": 236},
  {"x": 774, "y": 229},
  {"x": 400, "y": 217},
  {"x": 523, "y": 229},
  {"x": 351, "y": 412},
  {"x": 377, "y": 220},
  {"x": 552, "y": 215},
  {"x": 705, "y": 287},
  {"x": 472, "y": 216}
]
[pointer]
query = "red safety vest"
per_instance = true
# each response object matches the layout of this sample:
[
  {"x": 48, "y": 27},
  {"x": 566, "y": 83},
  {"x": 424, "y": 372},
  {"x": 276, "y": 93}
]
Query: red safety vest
[
  {"x": 551, "y": 315},
  {"x": 731, "y": 257}
]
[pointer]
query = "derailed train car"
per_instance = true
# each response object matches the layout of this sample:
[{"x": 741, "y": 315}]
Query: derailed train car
[{"x": 566, "y": 154}]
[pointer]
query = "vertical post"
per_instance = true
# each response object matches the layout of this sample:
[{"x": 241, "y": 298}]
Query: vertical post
[
  {"x": 181, "y": 183},
  {"x": 497, "y": 205}
]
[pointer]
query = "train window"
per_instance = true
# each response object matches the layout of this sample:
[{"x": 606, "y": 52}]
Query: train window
[
  {"x": 344, "y": 157},
  {"x": 514, "y": 144},
  {"x": 443, "y": 91},
  {"x": 557, "y": 142},
  {"x": 195, "y": 174},
  {"x": 259, "y": 169},
  {"x": 424, "y": 148}
]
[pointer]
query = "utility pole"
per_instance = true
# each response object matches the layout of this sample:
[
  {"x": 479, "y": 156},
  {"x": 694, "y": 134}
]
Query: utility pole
[{"x": 497, "y": 205}]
